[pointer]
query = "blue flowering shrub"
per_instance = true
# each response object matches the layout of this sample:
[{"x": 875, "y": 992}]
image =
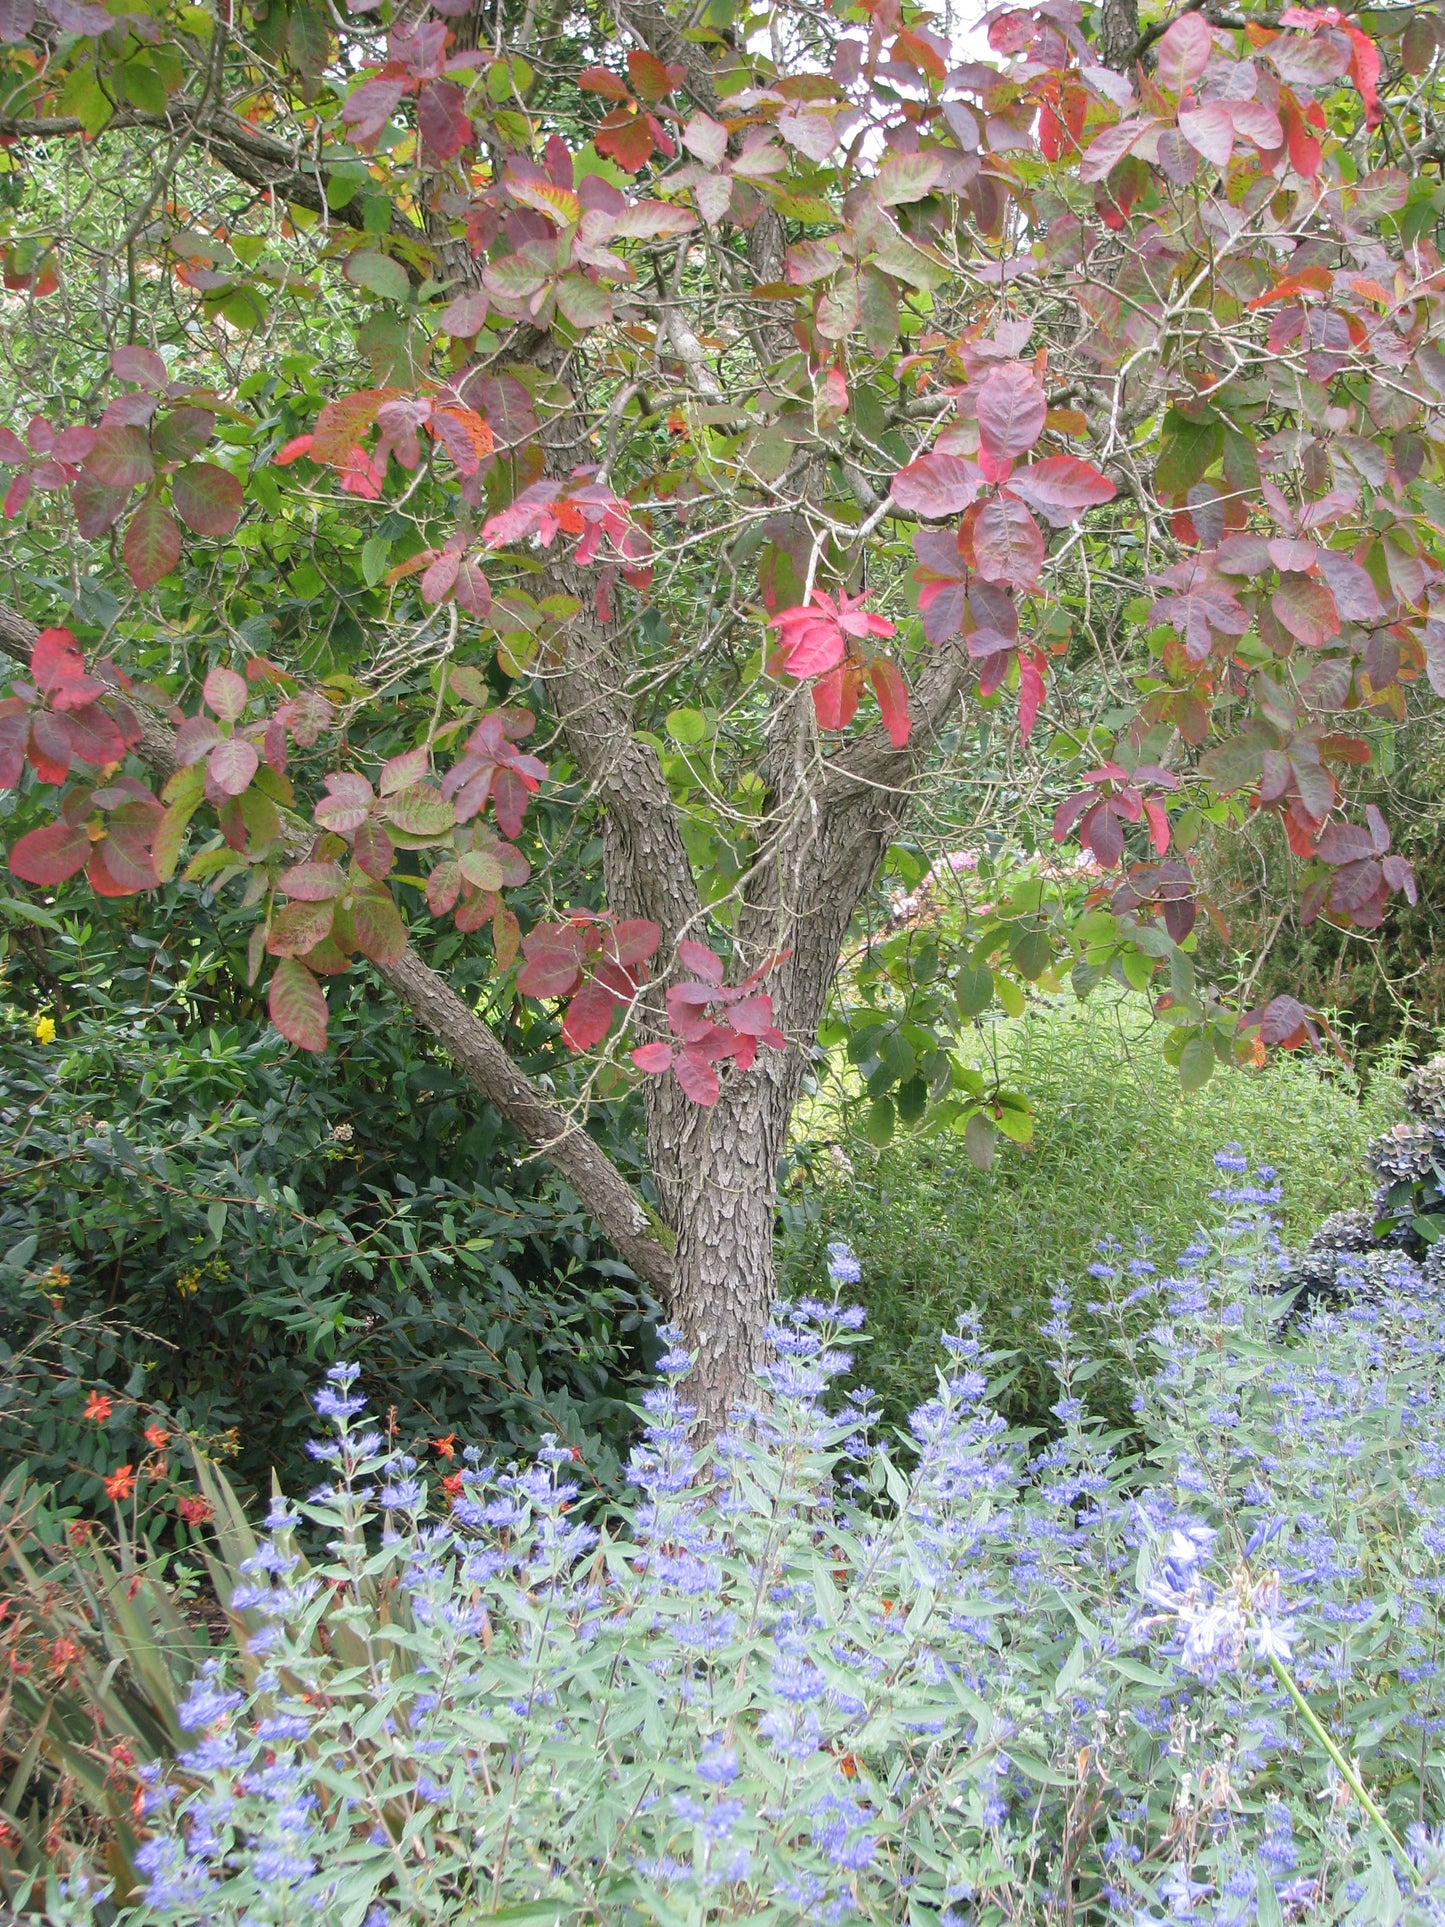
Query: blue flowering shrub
[{"x": 1185, "y": 1673}]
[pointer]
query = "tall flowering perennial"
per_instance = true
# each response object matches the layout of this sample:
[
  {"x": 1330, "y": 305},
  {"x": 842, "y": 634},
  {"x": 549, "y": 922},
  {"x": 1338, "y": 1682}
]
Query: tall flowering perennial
[{"x": 1189, "y": 1674}]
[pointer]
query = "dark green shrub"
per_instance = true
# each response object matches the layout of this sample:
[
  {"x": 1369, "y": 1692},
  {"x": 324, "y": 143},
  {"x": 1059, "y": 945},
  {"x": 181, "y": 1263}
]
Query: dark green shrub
[{"x": 195, "y": 1219}]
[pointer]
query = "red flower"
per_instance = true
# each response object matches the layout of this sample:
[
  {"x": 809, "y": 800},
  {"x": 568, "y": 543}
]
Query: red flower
[
  {"x": 814, "y": 639},
  {"x": 195, "y": 1511},
  {"x": 447, "y": 1446},
  {"x": 157, "y": 1436},
  {"x": 452, "y": 1484},
  {"x": 99, "y": 1406},
  {"x": 120, "y": 1484}
]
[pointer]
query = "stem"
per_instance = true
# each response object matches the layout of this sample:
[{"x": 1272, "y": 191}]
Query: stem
[{"x": 1346, "y": 1771}]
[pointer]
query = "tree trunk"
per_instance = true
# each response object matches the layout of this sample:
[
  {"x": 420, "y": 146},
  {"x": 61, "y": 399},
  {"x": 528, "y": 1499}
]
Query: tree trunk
[
  {"x": 1119, "y": 32},
  {"x": 720, "y": 1189}
]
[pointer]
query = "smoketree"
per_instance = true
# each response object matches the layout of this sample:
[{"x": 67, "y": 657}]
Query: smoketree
[{"x": 592, "y": 490}]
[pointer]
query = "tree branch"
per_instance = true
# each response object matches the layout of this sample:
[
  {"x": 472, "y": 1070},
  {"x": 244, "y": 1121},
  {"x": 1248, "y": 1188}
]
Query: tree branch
[
  {"x": 252, "y": 156},
  {"x": 536, "y": 1117}
]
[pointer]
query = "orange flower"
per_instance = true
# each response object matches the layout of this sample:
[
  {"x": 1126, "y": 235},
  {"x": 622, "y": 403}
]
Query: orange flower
[
  {"x": 452, "y": 1484},
  {"x": 63, "y": 1654},
  {"x": 447, "y": 1446},
  {"x": 157, "y": 1435},
  {"x": 195, "y": 1512},
  {"x": 99, "y": 1406},
  {"x": 120, "y": 1484}
]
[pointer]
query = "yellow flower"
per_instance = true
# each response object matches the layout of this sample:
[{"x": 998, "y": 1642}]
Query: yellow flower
[{"x": 44, "y": 1030}]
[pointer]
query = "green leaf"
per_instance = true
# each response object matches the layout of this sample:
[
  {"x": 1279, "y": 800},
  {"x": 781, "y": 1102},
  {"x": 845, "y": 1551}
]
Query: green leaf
[
  {"x": 1187, "y": 449},
  {"x": 687, "y": 726},
  {"x": 586, "y": 304},
  {"x": 308, "y": 40},
  {"x": 1009, "y": 994},
  {"x": 378, "y": 274},
  {"x": 980, "y": 1141},
  {"x": 972, "y": 989},
  {"x": 375, "y": 559},
  {"x": 1031, "y": 951},
  {"x": 912, "y": 1099},
  {"x": 143, "y": 86},
  {"x": 878, "y": 1125},
  {"x": 1196, "y": 1063}
]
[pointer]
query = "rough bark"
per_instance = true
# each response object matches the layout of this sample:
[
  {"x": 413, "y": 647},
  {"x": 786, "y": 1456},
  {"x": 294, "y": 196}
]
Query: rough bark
[{"x": 1119, "y": 32}]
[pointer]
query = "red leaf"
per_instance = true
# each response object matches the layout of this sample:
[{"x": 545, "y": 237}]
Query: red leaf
[
  {"x": 143, "y": 366},
  {"x": 152, "y": 545},
  {"x": 702, "y": 962},
  {"x": 463, "y": 433},
  {"x": 835, "y": 696},
  {"x": 626, "y": 140},
  {"x": 207, "y": 498},
  {"x": 1061, "y": 487},
  {"x": 1306, "y": 609},
  {"x": 380, "y": 932},
  {"x": 299, "y": 927},
  {"x": 225, "y": 694},
  {"x": 892, "y": 693},
  {"x": 653, "y": 1058},
  {"x": 372, "y": 850},
  {"x": 298, "y": 446},
  {"x": 1031, "y": 694},
  {"x": 366, "y": 111},
  {"x": 1209, "y": 130},
  {"x": 1312, "y": 280},
  {"x": 97, "y": 508},
  {"x": 635, "y": 939},
  {"x": 439, "y": 578},
  {"x": 49, "y": 855},
  {"x": 553, "y": 953},
  {"x": 1365, "y": 70},
  {"x": 298, "y": 1006},
  {"x": 510, "y": 796},
  {"x": 121, "y": 457},
  {"x": 56, "y": 664},
  {"x": 588, "y": 1017},
  {"x": 342, "y": 423},
  {"x": 697, "y": 1077},
  {"x": 232, "y": 765},
  {"x": 442, "y": 119},
  {"x": 1184, "y": 52},
  {"x": 1286, "y": 1022},
  {"x": 597, "y": 80},
  {"x": 936, "y": 485},
  {"x": 651, "y": 77},
  {"x": 14, "y": 734},
  {"x": 1011, "y": 410},
  {"x": 1007, "y": 545},
  {"x": 94, "y": 737},
  {"x": 346, "y": 804},
  {"x": 312, "y": 882}
]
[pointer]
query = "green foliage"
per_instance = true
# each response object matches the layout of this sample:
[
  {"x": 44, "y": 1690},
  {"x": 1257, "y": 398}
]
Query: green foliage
[
  {"x": 1120, "y": 1146},
  {"x": 195, "y": 1220}
]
